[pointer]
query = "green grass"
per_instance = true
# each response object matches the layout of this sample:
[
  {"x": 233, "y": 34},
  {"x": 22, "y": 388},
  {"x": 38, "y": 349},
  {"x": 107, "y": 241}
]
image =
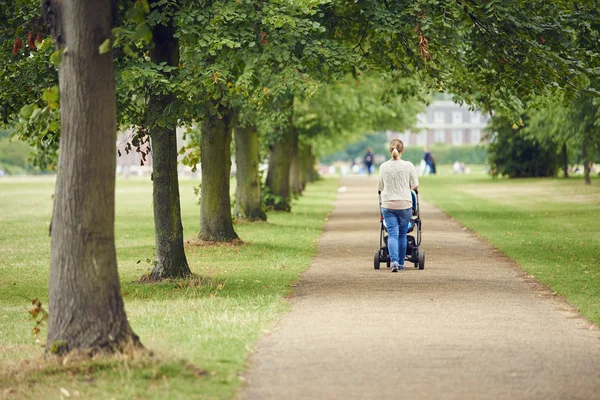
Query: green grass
[
  {"x": 212, "y": 322},
  {"x": 549, "y": 227}
]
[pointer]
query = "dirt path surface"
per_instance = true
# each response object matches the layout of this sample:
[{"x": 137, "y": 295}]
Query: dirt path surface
[{"x": 470, "y": 326}]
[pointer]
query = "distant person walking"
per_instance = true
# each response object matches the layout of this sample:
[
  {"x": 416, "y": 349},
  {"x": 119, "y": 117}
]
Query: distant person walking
[
  {"x": 429, "y": 160},
  {"x": 368, "y": 160},
  {"x": 396, "y": 178}
]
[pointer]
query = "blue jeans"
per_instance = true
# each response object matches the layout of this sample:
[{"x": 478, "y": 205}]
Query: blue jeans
[{"x": 396, "y": 222}]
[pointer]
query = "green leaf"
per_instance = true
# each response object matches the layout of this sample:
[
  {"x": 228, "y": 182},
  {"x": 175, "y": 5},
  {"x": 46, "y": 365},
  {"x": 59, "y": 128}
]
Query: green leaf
[
  {"x": 50, "y": 95},
  {"x": 27, "y": 110},
  {"x": 135, "y": 14},
  {"x": 45, "y": 44},
  {"x": 118, "y": 31},
  {"x": 105, "y": 47},
  {"x": 54, "y": 126},
  {"x": 56, "y": 58},
  {"x": 143, "y": 4},
  {"x": 129, "y": 51},
  {"x": 143, "y": 32}
]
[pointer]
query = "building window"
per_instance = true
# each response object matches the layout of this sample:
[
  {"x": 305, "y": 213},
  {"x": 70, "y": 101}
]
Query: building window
[
  {"x": 422, "y": 119},
  {"x": 438, "y": 117},
  {"x": 475, "y": 136},
  {"x": 440, "y": 136},
  {"x": 475, "y": 117},
  {"x": 457, "y": 117},
  {"x": 422, "y": 138},
  {"x": 457, "y": 137}
]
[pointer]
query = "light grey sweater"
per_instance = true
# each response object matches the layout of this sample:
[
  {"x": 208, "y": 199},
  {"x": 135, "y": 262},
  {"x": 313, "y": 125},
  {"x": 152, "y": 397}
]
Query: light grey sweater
[{"x": 396, "y": 179}]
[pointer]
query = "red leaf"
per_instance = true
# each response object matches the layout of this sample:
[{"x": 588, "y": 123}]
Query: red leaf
[
  {"x": 30, "y": 41},
  {"x": 17, "y": 46}
]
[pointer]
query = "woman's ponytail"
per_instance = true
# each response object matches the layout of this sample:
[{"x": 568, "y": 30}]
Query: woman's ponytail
[{"x": 396, "y": 148}]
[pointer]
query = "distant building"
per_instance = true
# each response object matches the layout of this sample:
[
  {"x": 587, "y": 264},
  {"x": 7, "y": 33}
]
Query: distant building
[{"x": 445, "y": 122}]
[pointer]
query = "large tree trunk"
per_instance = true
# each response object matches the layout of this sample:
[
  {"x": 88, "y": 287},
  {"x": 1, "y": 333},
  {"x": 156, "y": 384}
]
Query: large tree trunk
[
  {"x": 295, "y": 166},
  {"x": 565, "y": 160},
  {"x": 586, "y": 164},
  {"x": 215, "y": 160},
  {"x": 85, "y": 304},
  {"x": 248, "y": 204},
  {"x": 168, "y": 230}
]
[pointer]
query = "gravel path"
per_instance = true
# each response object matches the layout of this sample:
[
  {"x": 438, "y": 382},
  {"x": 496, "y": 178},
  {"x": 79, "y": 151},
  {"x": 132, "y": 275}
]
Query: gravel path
[{"x": 470, "y": 326}]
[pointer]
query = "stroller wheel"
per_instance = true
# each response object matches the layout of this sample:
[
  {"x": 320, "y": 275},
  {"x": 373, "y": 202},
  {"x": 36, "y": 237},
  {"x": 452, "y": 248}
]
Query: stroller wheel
[
  {"x": 388, "y": 263},
  {"x": 421, "y": 259},
  {"x": 376, "y": 260}
]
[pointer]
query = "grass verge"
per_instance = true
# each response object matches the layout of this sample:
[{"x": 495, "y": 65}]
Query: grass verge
[
  {"x": 549, "y": 227},
  {"x": 210, "y": 322}
]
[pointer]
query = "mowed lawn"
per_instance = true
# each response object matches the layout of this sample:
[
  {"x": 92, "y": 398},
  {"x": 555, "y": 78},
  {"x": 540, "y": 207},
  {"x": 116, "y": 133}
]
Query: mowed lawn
[
  {"x": 549, "y": 227},
  {"x": 201, "y": 330}
]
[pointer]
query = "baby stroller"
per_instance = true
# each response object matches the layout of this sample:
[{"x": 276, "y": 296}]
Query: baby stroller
[{"x": 413, "y": 253}]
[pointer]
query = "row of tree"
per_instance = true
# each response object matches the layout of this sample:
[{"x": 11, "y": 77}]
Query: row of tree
[
  {"x": 299, "y": 73},
  {"x": 549, "y": 136}
]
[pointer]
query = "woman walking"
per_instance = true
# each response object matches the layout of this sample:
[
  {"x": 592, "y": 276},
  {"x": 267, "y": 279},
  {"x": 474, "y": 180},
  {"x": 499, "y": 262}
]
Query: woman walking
[{"x": 396, "y": 178}]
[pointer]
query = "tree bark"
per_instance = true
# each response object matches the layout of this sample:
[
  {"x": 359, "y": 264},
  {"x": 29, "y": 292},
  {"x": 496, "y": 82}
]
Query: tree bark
[
  {"x": 586, "y": 164},
  {"x": 171, "y": 261},
  {"x": 565, "y": 160},
  {"x": 215, "y": 160},
  {"x": 248, "y": 203},
  {"x": 85, "y": 304},
  {"x": 308, "y": 165},
  {"x": 295, "y": 167},
  {"x": 278, "y": 174}
]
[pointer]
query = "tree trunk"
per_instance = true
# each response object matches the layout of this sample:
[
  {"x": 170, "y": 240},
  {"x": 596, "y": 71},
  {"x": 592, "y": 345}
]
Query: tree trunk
[
  {"x": 248, "y": 204},
  {"x": 171, "y": 261},
  {"x": 295, "y": 167},
  {"x": 278, "y": 174},
  {"x": 586, "y": 164},
  {"x": 565, "y": 160},
  {"x": 85, "y": 304},
  {"x": 308, "y": 165},
  {"x": 168, "y": 229},
  {"x": 215, "y": 160}
]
